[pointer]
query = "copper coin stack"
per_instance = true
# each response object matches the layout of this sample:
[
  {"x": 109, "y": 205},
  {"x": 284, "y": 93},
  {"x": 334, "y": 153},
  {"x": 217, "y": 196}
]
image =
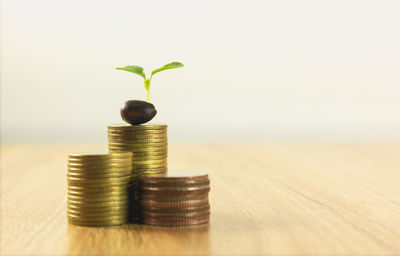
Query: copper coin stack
[
  {"x": 98, "y": 188},
  {"x": 149, "y": 146},
  {"x": 177, "y": 198}
]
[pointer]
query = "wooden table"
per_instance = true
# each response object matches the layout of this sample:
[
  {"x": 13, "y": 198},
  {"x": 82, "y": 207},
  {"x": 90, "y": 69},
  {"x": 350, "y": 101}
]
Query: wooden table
[{"x": 265, "y": 199}]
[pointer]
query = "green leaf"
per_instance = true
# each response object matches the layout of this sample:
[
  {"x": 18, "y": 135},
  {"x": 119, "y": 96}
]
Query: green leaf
[
  {"x": 134, "y": 69},
  {"x": 168, "y": 66}
]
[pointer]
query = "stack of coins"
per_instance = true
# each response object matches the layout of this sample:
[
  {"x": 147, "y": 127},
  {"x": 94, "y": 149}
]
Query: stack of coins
[
  {"x": 149, "y": 146},
  {"x": 147, "y": 142},
  {"x": 98, "y": 188},
  {"x": 177, "y": 198}
]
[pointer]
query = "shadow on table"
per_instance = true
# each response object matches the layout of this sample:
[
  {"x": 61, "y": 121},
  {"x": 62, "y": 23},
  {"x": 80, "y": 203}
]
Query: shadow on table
[{"x": 138, "y": 239}]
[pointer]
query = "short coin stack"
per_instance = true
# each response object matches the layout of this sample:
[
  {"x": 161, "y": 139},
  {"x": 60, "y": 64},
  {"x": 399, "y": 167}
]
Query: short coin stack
[
  {"x": 177, "y": 198},
  {"x": 98, "y": 188},
  {"x": 147, "y": 142},
  {"x": 149, "y": 145}
]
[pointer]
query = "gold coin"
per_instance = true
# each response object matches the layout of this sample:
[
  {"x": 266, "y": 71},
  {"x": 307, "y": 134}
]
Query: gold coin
[
  {"x": 87, "y": 215},
  {"x": 157, "y": 153},
  {"x": 99, "y": 195},
  {"x": 141, "y": 151},
  {"x": 139, "y": 141},
  {"x": 93, "y": 218},
  {"x": 151, "y": 173},
  {"x": 150, "y": 161},
  {"x": 99, "y": 180},
  {"x": 134, "y": 136},
  {"x": 99, "y": 198},
  {"x": 97, "y": 214},
  {"x": 110, "y": 157},
  {"x": 98, "y": 185},
  {"x": 76, "y": 171},
  {"x": 137, "y": 145},
  {"x": 97, "y": 223},
  {"x": 147, "y": 130},
  {"x": 141, "y": 170},
  {"x": 71, "y": 202},
  {"x": 97, "y": 189},
  {"x": 89, "y": 209},
  {"x": 138, "y": 127},
  {"x": 99, "y": 175},
  {"x": 101, "y": 165},
  {"x": 161, "y": 170},
  {"x": 137, "y": 165},
  {"x": 90, "y": 156},
  {"x": 161, "y": 157}
]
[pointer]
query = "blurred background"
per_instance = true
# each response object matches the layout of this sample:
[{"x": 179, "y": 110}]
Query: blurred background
[{"x": 254, "y": 70}]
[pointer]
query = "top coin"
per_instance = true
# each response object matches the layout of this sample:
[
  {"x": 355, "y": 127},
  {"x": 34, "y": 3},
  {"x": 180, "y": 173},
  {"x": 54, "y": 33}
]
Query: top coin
[
  {"x": 176, "y": 176},
  {"x": 138, "y": 127}
]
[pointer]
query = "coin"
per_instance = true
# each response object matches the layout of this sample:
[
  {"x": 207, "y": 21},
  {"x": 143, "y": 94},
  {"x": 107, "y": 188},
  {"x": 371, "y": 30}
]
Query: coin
[
  {"x": 99, "y": 195},
  {"x": 140, "y": 151},
  {"x": 177, "y": 176},
  {"x": 157, "y": 153},
  {"x": 176, "y": 216},
  {"x": 97, "y": 223},
  {"x": 173, "y": 204},
  {"x": 146, "y": 126},
  {"x": 146, "y": 167},
  {"x": 90, "y": 189},
  {"x": 109, "y": 164},
  {"x": 201, "y": 208},
  {"x": 173, "y": 188},
  {"x": 89, "y": 208},
  {"x": 91, "y": 215},
  {"x": 180, "y": 184},
  {"x": 134, "y": 136},
  {"x": 139, "y": 141},
  {"x": 181, "y": 197},
  {"x": 153, "y": 161},
  {"x": 97, "y": 185},
  {"x": 102, "y": 198},
  {"x": 194, "y": 221},
  {"x": 97, "y": 155},
  {"x": 122, "y": 179},
  {"x": 97, "y": 204},
  {"x": 174, "y": 192},
  {"x": 100, "y": 218},
  {"x": 138, "y": 147},
  {"x": 150, "y": 158},
  {"x": 99, "y": 175}
]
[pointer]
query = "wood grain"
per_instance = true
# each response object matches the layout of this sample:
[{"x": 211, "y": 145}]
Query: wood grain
[{"x": 265, "y": 199}]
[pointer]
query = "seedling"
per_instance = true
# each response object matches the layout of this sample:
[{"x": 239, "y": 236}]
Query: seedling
[{"x": 140, "y": 71}]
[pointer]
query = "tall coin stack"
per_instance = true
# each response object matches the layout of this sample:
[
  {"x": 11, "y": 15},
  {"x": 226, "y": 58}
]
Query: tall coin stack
[
  {"x": 98, "y": 188},
  {"x": 178, "y": 198},
  {"x": 149, "y": 145}
]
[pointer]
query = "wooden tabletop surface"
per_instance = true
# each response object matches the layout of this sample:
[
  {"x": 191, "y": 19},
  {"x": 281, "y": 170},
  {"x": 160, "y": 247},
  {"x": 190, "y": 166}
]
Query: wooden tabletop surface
[{"x": 265, "y": 199}]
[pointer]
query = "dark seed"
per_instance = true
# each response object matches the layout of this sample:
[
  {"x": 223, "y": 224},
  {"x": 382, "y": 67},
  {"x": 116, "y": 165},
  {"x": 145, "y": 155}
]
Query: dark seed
[{"x": 137, "y": 112}]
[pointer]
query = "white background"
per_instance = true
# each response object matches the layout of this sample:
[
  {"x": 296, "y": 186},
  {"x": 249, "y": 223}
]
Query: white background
[{"x": 254, "y": 70}]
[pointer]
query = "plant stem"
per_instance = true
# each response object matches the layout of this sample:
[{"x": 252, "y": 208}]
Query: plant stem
[{"x": 148, "y": 95}]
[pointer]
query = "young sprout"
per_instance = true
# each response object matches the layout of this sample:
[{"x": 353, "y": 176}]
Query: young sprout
[{"x": 139, "y": 71}]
